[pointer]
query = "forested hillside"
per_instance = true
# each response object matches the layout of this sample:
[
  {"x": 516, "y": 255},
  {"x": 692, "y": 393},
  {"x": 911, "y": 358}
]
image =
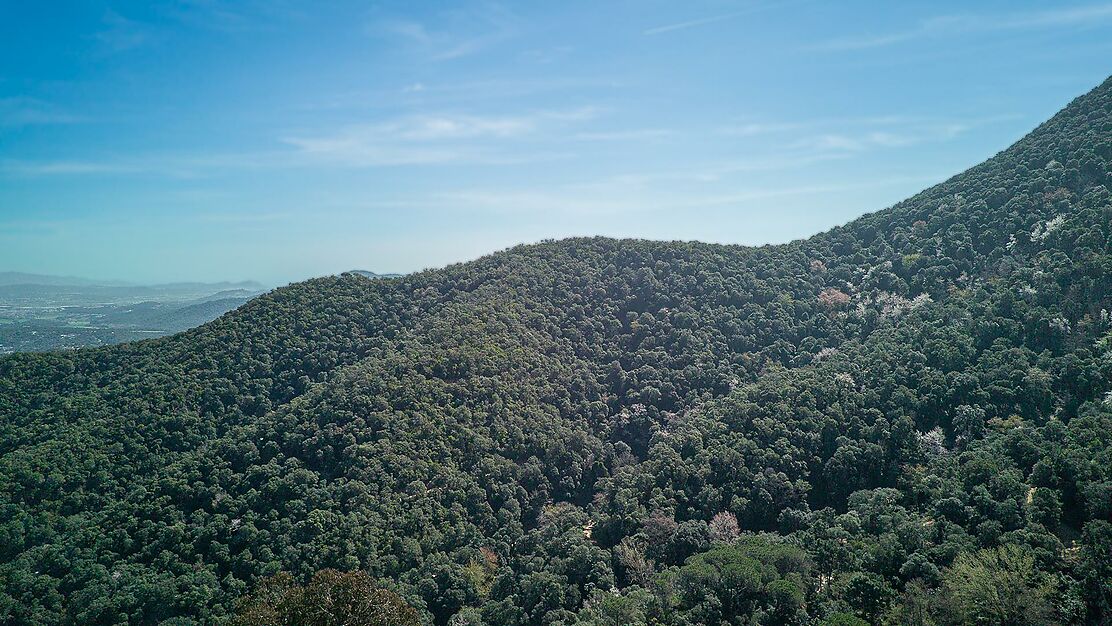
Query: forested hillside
[{"x": 904, "y": 420}]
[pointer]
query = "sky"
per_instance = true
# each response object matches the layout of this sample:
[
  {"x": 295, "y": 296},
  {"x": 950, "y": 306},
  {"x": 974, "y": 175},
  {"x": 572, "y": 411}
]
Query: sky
[{"x": 275, "y": 140}]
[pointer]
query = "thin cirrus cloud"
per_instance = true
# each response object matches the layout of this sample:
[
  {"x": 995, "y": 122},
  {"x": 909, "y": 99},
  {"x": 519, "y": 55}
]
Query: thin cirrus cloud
[
  {"x": 637, "y": 134},
  {"x": 751, "y": 129},
  {"x": 668, "y": 28},
  {"x": 460, "y": 93},
  {"x": 868, "y": 139},
  {"x": 713, "y": 19},
  {"x": 952, "y": 25},
  {"x": 465, "y": 33},
  {"x": 120, "y": 34},
  {"x": 30, "y": 169},
  {"x": 418, "y": 140},
  {"x": 820, "y": 137},
  {"x": 607, "y": 198},
  {"x": 722, "y": 169},
  {"x": 469, "y": 139},
  {"x": 412, "y": 140},
  {"x": 850, "y": 143},
  {"x": 243, "y": 217},
  {"x": 232, "y": 16},
  {"x": 19, "y": 111}
]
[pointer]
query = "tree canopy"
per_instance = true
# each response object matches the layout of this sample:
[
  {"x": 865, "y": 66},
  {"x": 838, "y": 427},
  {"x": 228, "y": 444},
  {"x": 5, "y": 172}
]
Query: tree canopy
[{"x": 903, "y": 420}]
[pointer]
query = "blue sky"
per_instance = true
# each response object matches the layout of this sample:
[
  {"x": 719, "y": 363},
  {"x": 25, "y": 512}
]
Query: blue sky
[{"x": 204, "y": 139}]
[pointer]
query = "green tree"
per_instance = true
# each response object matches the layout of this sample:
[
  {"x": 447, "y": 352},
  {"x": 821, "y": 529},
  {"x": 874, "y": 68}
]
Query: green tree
[
  {"x": 330, "y": 598},
  {"x": 998, "y": 587}
]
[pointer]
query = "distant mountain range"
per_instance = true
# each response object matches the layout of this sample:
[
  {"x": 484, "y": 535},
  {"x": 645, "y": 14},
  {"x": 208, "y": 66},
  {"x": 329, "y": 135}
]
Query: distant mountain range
[
  {"x": 23, "y": 278},
  {"x": 43, "y": 312}
]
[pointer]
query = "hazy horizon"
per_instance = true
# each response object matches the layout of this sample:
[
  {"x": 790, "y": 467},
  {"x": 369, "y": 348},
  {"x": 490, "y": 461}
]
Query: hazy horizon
[{"x": 179, "y": 141}]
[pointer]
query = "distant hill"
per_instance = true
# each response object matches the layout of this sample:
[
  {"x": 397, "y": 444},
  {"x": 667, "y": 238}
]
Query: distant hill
[
  {"x": 22, "y": 278},
  {"x": 171, "y": 317},
  {"x": 248, "y": 285},
  {"x": 903, "y": 420},
  {"x": 368, "y": 274},
  {"x": 63, "y": 292}
]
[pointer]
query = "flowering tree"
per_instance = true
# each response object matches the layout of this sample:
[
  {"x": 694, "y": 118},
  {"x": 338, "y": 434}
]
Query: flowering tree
[{"x": 723, "y": 527}]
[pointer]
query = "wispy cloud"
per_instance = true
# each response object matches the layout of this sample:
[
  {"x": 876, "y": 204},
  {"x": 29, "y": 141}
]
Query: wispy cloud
[
  {"x": 638, "y": 134},
  {"x": 1064, "y": 16},
  {"x": 668, "y": 28},
  {"x": 23, "y": 111},
  {"x": 440, "y": 128},
  {"x": 169, "y": 165},
  {"x": 438, "y": 47},
  {"x": 856, "y": 143},
  {"x": 64, "y": 167},
  {"x": 749, "y": 195},
  {"x": 448, "y": 93},
  {"x": 436, "y": 139},
  {"x": 860, "y": 134},
  {"x": 410, "y": 140},
  {"x": 868, "y": 41},
  {"x": 908, "y": 134},
  {"x": 532, "y": 136},
  {"x": 120, "y": 34},
  {"x": 231, "y": 16},
  {"x": 547, "y": 55},
  {"x": 458, "y": 34},
  {"x": 807, "y": 143},
  {"x": 952, "y": 25},
  {"x": 750, "y": 129},
  {"x": 529, "y": 137},
  {"x": 229, "y": 217},
  {"x": 611, "y": 196},
  {"x": 415, "y": 32},
  {"x": 713, "y": 171},
  {"x": 711, "y": 19}
]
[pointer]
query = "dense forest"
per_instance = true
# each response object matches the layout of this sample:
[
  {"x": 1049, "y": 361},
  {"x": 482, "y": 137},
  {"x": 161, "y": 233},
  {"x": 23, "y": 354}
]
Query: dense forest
[{"x": 905, "y": 420}]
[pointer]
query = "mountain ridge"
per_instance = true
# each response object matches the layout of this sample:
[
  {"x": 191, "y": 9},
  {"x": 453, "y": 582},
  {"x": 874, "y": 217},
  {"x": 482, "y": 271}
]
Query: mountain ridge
[{"x": 503, "y": 441}]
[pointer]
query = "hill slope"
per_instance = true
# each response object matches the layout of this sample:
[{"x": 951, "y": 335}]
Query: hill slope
[{"x": 890, "y": 408}]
